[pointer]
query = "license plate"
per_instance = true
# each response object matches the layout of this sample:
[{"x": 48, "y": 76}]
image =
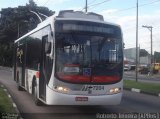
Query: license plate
[{"x": 81, "y": 98}]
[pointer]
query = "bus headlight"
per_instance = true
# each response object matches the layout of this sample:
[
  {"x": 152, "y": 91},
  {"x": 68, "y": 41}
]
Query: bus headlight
[
  {"x": 115, "y": 90},
  {"x": 62, "y": 89}
]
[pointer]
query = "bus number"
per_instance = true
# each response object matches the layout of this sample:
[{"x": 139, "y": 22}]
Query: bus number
[{"x": 87, "y": 87}]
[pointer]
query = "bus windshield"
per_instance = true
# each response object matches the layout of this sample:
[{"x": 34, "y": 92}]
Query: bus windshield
[{"x": 87, "y": 55}]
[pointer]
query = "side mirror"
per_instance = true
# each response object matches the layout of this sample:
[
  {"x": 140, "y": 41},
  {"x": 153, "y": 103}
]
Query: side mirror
[{"x": 48, "y": 47}]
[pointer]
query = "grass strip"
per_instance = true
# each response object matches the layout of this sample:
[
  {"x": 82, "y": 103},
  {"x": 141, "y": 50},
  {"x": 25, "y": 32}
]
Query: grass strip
[
  {"x": 143, "y": 86},
  {"x": 5, "y": 103}
]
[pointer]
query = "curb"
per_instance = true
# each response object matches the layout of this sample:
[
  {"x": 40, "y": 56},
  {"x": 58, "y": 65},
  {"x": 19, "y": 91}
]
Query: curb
[
  {"x": 140, "y": 91},
  {"x": 17, "y": 115}
]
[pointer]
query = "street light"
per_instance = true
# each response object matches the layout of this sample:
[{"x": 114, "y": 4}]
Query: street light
[{"x": 150, "y": 29}]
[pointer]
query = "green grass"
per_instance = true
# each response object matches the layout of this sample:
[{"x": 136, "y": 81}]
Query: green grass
[
  {"x": 147, "y": 87},
  {"x": 5, "y": 103}
]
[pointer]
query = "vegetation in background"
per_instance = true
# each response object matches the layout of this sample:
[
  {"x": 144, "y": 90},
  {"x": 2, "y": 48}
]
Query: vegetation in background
[
  {"x": 147, "y": 87},
  {"x": 157, "y": 56},
  {"x": 143, "y": 53},
  {"x": 5, "y": 103},
  {"x": 15, "y": 22}
]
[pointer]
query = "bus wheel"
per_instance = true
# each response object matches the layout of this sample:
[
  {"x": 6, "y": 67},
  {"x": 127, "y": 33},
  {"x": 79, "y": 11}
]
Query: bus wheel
[{"x": 36, "y": 100}]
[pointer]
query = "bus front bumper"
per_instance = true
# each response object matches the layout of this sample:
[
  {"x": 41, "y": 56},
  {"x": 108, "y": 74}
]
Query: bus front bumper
[{"x": 56, "y": 98}]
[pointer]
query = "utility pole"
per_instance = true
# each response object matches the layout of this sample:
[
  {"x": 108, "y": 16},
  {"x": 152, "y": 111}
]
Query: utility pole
[
  {"x": 137, "y": 43},
  {"x": 139, "y": 60},
  {"x": 86, "y": 6},
  {"x": 150, "y": 29}
]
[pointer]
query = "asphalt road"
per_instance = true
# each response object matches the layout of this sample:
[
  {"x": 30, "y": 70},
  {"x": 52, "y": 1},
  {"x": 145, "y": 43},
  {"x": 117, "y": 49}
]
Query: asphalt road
[{"x": 132, "y": 103}]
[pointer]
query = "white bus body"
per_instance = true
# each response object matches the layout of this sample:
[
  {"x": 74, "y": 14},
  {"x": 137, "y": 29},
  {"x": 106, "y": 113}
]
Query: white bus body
[{"x": 71, "y": 59}]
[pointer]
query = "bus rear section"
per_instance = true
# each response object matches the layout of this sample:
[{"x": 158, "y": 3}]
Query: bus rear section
[{"x": 88, "y": 64}]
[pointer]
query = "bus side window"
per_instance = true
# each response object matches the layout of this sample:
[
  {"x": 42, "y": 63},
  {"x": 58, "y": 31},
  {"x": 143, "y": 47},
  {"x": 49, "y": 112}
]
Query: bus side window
[{"x": 47, "y": 47}]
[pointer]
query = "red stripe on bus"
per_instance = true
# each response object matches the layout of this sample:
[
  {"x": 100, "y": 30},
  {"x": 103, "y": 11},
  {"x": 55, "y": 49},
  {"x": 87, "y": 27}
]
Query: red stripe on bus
[
  {"x": 37, "y": 74},
  {"x": 74, "y": 78},
  {"x": 105, "y": 79},
  {"x": 87, "y": 79}
]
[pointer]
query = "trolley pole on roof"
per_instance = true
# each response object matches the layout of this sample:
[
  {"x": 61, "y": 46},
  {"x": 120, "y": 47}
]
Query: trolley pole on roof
[
  {"x": 86, "y": 6},
  {"x": 36, "y": 15},
  {"x": 137, "y": 43}
]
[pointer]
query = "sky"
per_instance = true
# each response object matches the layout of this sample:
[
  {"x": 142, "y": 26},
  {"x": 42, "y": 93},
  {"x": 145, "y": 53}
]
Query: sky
[{"x": 122, "y": 12}]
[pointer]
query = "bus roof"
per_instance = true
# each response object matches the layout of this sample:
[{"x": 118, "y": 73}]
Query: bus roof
[{"x": 69, "y": 15}]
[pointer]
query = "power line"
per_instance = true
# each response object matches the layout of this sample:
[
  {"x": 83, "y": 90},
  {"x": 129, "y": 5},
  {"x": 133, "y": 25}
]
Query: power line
[
  {"x": 126, "y": 8},
  {"x": 99, "y": 3},
  {"x": 91, "y": 2},
  {"x": 46, "y": 2},
  {"x": 92, "y": 5},
  {"x": 121, "y": 10},
  {"x": 138, "y": 6}
]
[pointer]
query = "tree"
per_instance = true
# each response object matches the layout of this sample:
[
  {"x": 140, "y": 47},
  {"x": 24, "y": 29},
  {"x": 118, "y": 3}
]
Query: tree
[
  {"x": 157, "y": 56},
  {"x": 32, "y": 3},
  {"x": 11, "y": 18},
  {"x": 14, "y": 21},
  {"x": 143, "y": 53}
]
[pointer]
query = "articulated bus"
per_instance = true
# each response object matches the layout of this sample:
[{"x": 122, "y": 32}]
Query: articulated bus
[{"x": 72, "y": 58}]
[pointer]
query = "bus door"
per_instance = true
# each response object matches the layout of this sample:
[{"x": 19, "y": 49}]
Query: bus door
[
  {"x": 21, "y": 64},
  {"x": 46, "y": 66},
  {"x": 14, "y": 62}
]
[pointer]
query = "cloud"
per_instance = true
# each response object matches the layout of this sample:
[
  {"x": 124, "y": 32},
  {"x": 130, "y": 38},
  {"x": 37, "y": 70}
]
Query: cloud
[
  {"x": 128, "y": 24},
  {"x": 109, "y": 15},
  {"x": 50, "y": 2},
  {"x": 110, "y": 11}
]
